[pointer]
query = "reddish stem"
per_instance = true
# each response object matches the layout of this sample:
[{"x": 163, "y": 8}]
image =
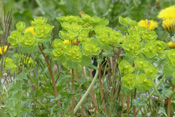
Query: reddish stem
[
  {"x": 82, "y": 109},
  {"x": 51, "y": 74},
  {"x": 73, "y": 99},
  {"x": 169, "y": 104},
  {"x": 134, "y": 107},
  {"x": 101, "y": 87}
]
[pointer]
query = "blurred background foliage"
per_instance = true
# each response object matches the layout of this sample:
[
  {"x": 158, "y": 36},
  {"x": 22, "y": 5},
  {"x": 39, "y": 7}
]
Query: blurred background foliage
[{"x": 26, "y": 10}]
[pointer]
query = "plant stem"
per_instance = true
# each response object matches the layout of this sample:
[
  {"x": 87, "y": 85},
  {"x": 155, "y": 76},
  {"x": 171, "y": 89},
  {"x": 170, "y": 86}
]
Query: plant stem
[
  {"x": 101, "y": 87},
  {"x": 114, "y": 66},
  {"x": 164, "y": 36},
  {"x": 93, "y": 96},
  {"x": 86, "y": 93},
  {"x": 73, "y": 98},
  {"x": 160, "y": 98},
  {"x": 134, "y": 107},
  {"x": 128, "y": 102},
  {"x": 82, "y": 109},
  {"x": 169, "y": 104},
  {"x": 156, "y": 88},
  {"x": 39, "y": 3},
  {"x": 51, "y": 74},
  {"x": 153, "y": 91}
]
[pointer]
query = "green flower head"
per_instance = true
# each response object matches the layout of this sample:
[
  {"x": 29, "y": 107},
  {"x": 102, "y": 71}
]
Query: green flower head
[
  {"x": 134, "y": 35},
  {"x": 70, "y": 35},
  {"x": 149, "y": 36},
  {"x": 14, "y": 38},
  {"x": 125, "y": 67},
  {"x": 160, "y": 46},
  {"x": 115, "y": 37},
  {"x": 149, "y": 50},
  {"x": 59, "y": 44},
  {"x": 29, "y": 39},
  {"x": 73, "y": 53},
  {"x": 129, "y": 81},
  {"x": 38, "y": 21},
  {"x": 142, "y": 64},
  {"x": 133, "y": 48},
  {"x": 57, "y": 53},
  {"x": 9, "y": 64},
  {"x": 151, "y": 71},
  {"x": 91, "y": 48},
  {"x": 144, "y": 84},
  {"x": 20, "y": 26},
  {"x": 43, "y": 32},
  {"x": 69, "y": 19},
  {"x": 84, "y": 34},
  {"x": 103, "y": 38},
  {"x": 74, "y": 27}
]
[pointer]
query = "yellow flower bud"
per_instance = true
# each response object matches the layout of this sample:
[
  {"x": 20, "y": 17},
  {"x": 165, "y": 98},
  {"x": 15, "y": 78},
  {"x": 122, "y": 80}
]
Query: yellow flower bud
[{"x": 171, "y": 44}]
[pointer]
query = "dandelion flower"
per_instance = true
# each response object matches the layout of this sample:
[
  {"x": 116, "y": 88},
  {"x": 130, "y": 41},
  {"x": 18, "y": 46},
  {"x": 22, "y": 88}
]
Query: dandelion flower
[
  {"x": 167, "y": 13},
  {"x": 30, "y": 29},
  {"x": 169, "y": 24},
  {"x": 1, "y": 49},
  {"x": 149, "y": 24}
]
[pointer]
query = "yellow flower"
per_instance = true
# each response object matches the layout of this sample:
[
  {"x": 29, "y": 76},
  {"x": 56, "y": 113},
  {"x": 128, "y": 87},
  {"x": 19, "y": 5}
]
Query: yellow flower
[
  {"x": 171, "y": 44},
  {"x": 30, "y": 29},
  {"x": 74, "y": 42},
  {"x": 149, "y": 24},
  {"x": 1, "y": 48},
  {"x": 169, "y": 24},
  {"x": 167, "y": 13}
]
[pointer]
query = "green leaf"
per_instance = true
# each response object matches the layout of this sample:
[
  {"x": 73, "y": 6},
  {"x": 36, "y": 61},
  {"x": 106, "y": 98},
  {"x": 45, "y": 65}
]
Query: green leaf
[
  {"x": 29, "y": 50},
  {"x": 92, "y": 66},
  {"x": 168, "y": 69},
  {"x": 15, "y": 87},
  {"x": 21, "y": 76},
  {"x": 108, "y": 53},
  {"x": 122, "y": 21},
  {"x": 130, "y": 58},
  {"x": 43, "y": 39},
  {"x": 167, "y": 93},
  {"x": 85, "y": 60},
  {"x": 48, "y": 52},
  {"x": 72, "y": 64}
]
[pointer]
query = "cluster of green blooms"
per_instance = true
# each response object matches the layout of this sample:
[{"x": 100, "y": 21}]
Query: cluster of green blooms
[
  {"x": 9, "y": 65},
  {"x": 41, "y": 34},
  {"x": 107, "y": 36},
  {"x": 139, "y": 40},
  {"x": 147, "y": 67},
  {"x": 64, "y": 52},
  {"x": 130, "y": 81},
  {"x": 90, "y": 34},
  {"x": 75, "y": 27},
  {"x": 85, "y": 20},
  {"x": 142, "y": 44}
]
